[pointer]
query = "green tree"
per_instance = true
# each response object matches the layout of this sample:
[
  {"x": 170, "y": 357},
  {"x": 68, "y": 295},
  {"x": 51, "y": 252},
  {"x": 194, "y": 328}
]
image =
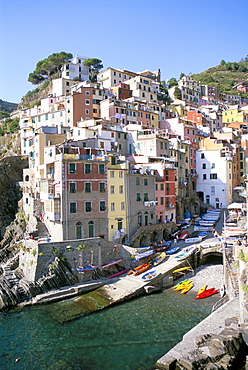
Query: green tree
[
  {"x": 181, "y": 75},
  {"x": 94, "y": 65},
  {"x": 177, "y": 93},
  {"x": 173, "y": 82},
  {"x": 48, "y": 67},
  {"x": 222, "y": 63}
]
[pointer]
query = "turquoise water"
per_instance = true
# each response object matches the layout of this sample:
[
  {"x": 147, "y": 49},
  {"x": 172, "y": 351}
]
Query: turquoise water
[{"x": 131, "y": 336}]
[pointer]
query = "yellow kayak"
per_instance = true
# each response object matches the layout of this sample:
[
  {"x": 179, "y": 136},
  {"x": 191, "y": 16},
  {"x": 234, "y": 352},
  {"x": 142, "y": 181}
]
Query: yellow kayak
[
  {"x": 181, "y": 269},
  {"x": 202, "y": 289},
  {"x": 183, "y": 285},
  {"x": 187, "y": 288}
]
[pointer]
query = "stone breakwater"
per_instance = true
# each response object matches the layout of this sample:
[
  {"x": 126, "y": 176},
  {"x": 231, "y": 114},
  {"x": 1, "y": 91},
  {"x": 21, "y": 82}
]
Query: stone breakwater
[{"x": 216, "y": 343}]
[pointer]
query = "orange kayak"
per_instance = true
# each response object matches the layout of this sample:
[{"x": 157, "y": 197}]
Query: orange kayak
[
  {"x": 138, "y": 268},
  {"x": 142, "y": 269}
]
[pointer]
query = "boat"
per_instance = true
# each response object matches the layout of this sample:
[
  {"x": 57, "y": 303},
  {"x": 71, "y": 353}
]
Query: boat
[
  {"x": 207, "y": 293},
  {"x": 111, "y": 264},
  {"x": 183, "y": 285},
  {"x": 138, "y": 268},
  {"x": 172, "y": 250},
  {"x": 143, "y": 269},
  {"x": 180, "y": 283},
  {"x": 186, "y": 252},
  {"x": 203, "y": 228},
  {"x": 202, "y": 289},
  {"x": 193, "y": 240},
  {"x": 140, "y": 256},
  {"x": 160, "y": 258},
  {"x": 184, "y": 235},
  {"x": 118, "y": 273},
  {"x": 149, "y": 275},
  {"x": 207, "y": 223},
  {"x": 87, "y": 268},
  {"x": 187, "y": 288},
  {"x": 181, "y": 269}
]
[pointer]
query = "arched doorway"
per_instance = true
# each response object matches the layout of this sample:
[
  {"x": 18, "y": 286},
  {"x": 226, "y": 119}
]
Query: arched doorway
[
  {"x": 91, "y": 229},
  {"x": 79, "y": 230}
]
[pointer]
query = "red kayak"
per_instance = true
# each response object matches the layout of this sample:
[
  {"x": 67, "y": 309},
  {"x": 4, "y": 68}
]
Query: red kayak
[
  {"x": 118, "y": 273},
  {"x": 207, "y": 293}
]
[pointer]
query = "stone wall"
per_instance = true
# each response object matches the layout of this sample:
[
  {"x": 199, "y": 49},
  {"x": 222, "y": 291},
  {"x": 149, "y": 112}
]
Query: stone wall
[{"x": 35, "y": 257}]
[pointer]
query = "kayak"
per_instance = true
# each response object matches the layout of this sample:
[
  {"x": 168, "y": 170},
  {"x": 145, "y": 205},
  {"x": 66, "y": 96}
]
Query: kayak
[
  {"x": 149, "y": 275},
  {"x": 87, "y": 268},
  {"x": 207, "y": 293},
  {"x": 183, "y": 285},
  {"x": 160, "y": 258},
  {"x": 143, "y": 269},
  {"x": 187, "y": 288},
  {"x": 118, "y": 273},
  {"x": 181, "y": 269},
  {"x": 138, "y": 268},
  {"x": 202, "y": 289},
  {"x": 111, "y": 264}
]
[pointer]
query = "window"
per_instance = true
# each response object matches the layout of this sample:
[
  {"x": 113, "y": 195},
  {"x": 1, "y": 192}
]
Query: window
[
  {"x": 88, "y": 187},
  {"x": 137, "y": 180},
  {"x": 101, "y": 169},
  {"x": 213, "y": 165},
  {"x": 213, "y": 176},
  {"x": 72, "y": 187},
  {"x": 87, "y": 168},
  {"x": 102, "y": 187},
  {"x": 204, "y": 176},
  {"x": 121, "y": 174},
  {"x": 212, "y": 190},
  {"x": 161, "y": 186},
  {"x": 78, "y": 230},
  {"x": 112, "y": 206},
  {"x": 73, "y": 207},
  {"x": 87, "y": 93},
  {"x": 87, "y": 111},
  {"x": 112, "y": 174},
  {"x": 67, "y": 83},
  {"x": 113, "y": 161},
  {"x": 122, "y": 206},
  {"x": 121, "y": 189},
  {"x": 145, "y": 182},
  {"x": 33, "y": 119},
  {"x": 46, "y": 117},
  {"x": 202, "y": 156},
  {"x": 87, "y": 102},
  {"x": 88, "y": 207},
  {"x": 72, "y": 167},
  {"x": 112, "y": 189},
  {"x": 161, "y": 201},
  {"x": 138, "y": 197},
  {"x": 146, "y": 198},
  {"x": 204, "y": 166},
  {"x": 102, "y": 205},
  {"x": 38, "y": 118}
]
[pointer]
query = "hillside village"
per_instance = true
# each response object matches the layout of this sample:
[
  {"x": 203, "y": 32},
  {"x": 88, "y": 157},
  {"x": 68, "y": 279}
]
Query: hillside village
[{"x": 107, "y": 158}]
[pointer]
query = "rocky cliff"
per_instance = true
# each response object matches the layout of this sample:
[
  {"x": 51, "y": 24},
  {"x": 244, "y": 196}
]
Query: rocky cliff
[{"x": 11, "y": 169}]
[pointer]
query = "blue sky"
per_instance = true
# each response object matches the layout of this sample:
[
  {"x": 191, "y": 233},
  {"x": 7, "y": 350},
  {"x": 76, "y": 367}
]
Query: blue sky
[{"x": 175, "y": 36}]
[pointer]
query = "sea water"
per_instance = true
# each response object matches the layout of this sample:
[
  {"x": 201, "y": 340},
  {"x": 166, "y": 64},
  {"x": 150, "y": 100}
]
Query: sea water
[{"x": 132, "y": 335}]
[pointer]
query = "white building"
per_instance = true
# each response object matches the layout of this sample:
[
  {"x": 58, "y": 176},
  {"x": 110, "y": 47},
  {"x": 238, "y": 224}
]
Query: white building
[
  {"x": 76, "y": 69},
  {"x": 214, "y": 183}
]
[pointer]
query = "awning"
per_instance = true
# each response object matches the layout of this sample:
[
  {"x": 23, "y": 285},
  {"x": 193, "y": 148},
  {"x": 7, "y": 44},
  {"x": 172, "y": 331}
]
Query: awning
[{"x": 235, "y": 206}]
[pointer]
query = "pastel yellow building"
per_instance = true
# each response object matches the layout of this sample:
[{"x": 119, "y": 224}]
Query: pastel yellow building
[
  {"x": 234, "y": 115},
  {"x": 117, "y": 200}
]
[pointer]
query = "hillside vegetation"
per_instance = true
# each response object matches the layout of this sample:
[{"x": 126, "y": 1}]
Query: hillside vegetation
[{"x": 225, "y": 76}]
